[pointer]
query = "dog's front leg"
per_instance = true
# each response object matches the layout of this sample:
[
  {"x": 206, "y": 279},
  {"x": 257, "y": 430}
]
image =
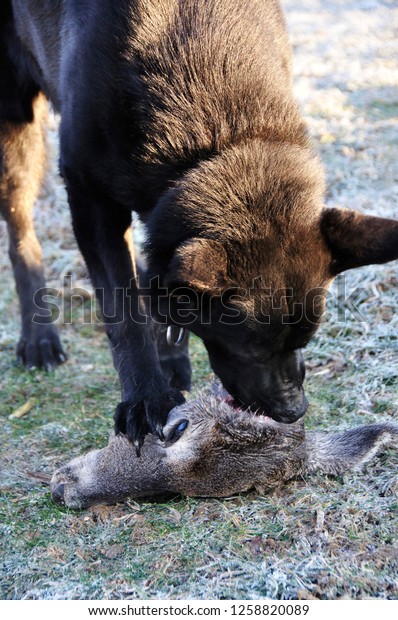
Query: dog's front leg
[{"x": 101, "y": 229}]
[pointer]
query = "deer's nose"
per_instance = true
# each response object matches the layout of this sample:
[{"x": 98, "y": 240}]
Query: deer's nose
[{"x": 58, "y": 493}]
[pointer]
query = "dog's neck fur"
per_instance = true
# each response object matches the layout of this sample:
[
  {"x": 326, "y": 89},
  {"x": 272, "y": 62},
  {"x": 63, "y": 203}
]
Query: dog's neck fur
[{"x": 247, "y": 192}]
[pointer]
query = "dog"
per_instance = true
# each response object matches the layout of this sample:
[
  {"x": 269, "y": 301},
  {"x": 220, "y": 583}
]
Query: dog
[
  {"x": 182, "y": 111},
  {"x": 212, "y": 450}
]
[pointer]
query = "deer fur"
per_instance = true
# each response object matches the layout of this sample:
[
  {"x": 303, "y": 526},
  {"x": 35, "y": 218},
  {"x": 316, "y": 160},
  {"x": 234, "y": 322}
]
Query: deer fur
[{"x": 213, "y": 450}]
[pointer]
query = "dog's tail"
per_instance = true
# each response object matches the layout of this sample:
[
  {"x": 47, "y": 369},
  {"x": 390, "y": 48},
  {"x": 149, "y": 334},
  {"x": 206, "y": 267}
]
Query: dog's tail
[{"x": 338, "y": 452}]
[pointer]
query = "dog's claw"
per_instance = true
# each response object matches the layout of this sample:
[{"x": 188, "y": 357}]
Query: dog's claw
[
  {"x": 159, "y": 432},
  {"x": 137, "y": 445}
]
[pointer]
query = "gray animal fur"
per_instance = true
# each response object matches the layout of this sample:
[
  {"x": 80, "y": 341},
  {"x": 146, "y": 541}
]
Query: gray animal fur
[{"x": 221, "y": 452}]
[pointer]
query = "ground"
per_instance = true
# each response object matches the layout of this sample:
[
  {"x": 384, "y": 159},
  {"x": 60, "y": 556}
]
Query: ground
[{"x": 318, "y": 537}]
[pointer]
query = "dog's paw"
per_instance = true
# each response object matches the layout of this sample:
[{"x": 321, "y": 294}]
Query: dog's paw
[
  {"x": 42, "y": 349},
  {"x": 148, "y": 415}
]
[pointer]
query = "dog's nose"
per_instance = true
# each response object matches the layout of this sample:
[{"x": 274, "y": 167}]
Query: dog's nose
[
  {"x": 289, "y": 415},
  {"x": 58, "y": 493}
]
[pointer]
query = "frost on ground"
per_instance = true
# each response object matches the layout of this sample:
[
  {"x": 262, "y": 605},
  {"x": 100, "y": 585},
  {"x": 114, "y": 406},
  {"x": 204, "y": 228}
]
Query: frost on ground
[{"x": 322, "y": 538}]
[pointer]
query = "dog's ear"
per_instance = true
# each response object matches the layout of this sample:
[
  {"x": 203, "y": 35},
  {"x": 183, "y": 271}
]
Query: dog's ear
[
  {"x": 356, "y": 240},
  {"x": 200, "y": 264}
]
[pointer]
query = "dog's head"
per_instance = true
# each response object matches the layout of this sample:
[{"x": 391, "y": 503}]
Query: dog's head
[
  {"x": 255, "y": 306},
  {"x": 252, "y": 282}
]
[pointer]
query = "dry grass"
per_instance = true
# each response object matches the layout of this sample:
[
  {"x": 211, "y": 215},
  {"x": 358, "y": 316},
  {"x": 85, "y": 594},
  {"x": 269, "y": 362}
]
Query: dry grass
[{"x": 320, "y": 537}]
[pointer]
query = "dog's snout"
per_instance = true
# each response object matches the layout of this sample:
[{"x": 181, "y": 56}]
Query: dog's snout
[
  {"x": 58, "y": 493},
  {"x": 287, "y": 413}
]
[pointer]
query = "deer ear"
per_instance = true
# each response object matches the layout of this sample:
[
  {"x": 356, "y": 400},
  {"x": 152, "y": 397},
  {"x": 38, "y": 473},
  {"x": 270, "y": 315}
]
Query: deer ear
[
  {"x": 237, "y": 430},
  {"x": 200, "y": 264},
  {"x": 242, "y": 430},
  {"x": 356, "y": 240}
]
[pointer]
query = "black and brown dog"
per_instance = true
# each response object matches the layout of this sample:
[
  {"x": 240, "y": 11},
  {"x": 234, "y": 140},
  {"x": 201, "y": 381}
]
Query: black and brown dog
[{"x": 182, "y": 111}]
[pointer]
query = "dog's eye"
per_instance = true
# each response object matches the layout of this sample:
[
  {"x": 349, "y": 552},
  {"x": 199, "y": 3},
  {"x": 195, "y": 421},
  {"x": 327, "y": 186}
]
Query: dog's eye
[{"x": 177, "y": 431}]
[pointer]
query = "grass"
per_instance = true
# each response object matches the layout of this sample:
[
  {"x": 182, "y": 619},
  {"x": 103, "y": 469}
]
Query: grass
[{"x": 319, "y": 537}]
